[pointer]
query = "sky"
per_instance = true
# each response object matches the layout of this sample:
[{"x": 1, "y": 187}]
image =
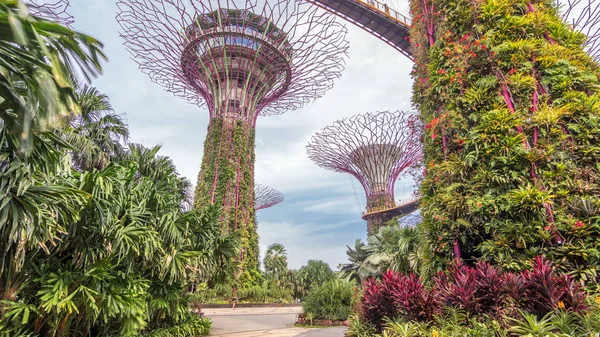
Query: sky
[{"x": 321, "y": 211}]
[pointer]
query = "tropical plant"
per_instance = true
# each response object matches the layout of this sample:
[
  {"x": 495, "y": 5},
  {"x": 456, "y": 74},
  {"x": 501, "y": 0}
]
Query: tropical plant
[
  {"x": 96, "y": 134},
  {"x": 275, "y": 261},
  {"x": 511, "y": 104},
  {"x": 390, "y": 248},
  {"x": 330, "y": 301},
  {"x": 356, "y": 269},
  {"x": 38, "y": 60},
  {"x": 314, "y": 273}
]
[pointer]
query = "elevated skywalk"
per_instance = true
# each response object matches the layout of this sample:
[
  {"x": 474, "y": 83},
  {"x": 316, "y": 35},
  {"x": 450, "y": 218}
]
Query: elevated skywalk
[
  {"x": 376, "y": 18},
  {"x": 404, "y": 208}
]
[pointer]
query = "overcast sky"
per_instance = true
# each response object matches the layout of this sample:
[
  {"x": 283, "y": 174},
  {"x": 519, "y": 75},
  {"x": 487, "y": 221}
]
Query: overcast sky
[{"x": 321, "y": 211}]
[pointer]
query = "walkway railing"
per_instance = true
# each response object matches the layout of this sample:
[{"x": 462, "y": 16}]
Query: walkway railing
[
  {"x": 385, "y": 9},
  {"x": 387, "y": 208}
]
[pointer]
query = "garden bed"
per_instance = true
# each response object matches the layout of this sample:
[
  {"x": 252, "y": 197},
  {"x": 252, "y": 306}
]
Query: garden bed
[
  {"x": 318, "y": 323},
  {"x": 250, "y": 305}
]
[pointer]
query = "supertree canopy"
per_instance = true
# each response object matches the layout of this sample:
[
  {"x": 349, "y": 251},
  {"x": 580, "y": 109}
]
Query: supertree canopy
[
  {"x": 509, "y": 93},
  {"x": 240, "y": 59},
  {"x": 584, "y": 16},
  {"x": 265, "y": 197},
  {"x": 53, "y": 10},
  {"x": 375, "y": 148}
]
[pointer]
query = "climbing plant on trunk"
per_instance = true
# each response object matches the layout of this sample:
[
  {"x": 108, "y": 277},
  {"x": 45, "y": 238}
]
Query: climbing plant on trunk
[{"x": 511, "y": 105}]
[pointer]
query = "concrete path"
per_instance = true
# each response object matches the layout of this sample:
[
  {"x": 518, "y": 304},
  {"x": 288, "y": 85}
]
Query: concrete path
[
  {"x": 337, "y": 331},
  {"x": 263, "y": 322},
  {"x": 250, "y": 322}
]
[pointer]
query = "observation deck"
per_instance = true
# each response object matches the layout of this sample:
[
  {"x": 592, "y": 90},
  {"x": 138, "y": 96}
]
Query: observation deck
[
  {"x": 376, "y": 18},
  {"x": 403, "y": 208}
]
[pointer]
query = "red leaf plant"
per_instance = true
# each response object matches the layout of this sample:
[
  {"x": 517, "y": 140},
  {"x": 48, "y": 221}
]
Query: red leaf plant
[
  {"x": 545, "y": 290},
  {"x": 413, "y": 301},
  {"x": 476, "y": 290},
  {"x": 376, "y": 303}
]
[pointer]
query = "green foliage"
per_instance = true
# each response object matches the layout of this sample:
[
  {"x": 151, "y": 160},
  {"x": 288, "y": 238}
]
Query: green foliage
[
  {"x": 193, "y": 326},
  {"x": 456, "y": 323},
  {"x": 315, "y": 273},
  {"x": 331, "y": 301},
  {"x": 226, "y": 179},
  {"x": 391, "y": 248},
  {"x": 97, "y": 236},
  {"x": 36, "y": 66},
  {"x": 275, "y": 261},
  {"x": 221, "y": 293},
  {"x": 511, "y": 106}
]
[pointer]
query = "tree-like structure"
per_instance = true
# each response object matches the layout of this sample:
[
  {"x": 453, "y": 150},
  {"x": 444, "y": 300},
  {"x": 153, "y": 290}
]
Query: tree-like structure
[
  {"x": 54, "y": 10},
  {"x": 509, "y": 96},
  {"x": 375, "y": 148},
  {"x": 265, "y": 197},
  {"x": 584, "y": 16},
  {"x": 240, "y": 59}
]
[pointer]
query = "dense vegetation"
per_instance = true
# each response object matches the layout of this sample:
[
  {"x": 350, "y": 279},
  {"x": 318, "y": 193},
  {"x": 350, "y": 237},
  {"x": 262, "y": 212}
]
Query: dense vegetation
[
  {"x": 279, "y": 284},
  {"x": 331, "y": 301},
  {"x": 226, "y": 179},
  {"x": 97, "y": 236},
  {"x": 510, "y": 100},
  {"x": 397, "y": 298}
]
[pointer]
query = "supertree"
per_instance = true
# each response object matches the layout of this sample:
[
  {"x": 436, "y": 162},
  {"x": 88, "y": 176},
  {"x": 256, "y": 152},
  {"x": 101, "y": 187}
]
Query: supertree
[
  {"x": 584, "y": 16},
  {"x": 512, "y": 162},
  {"x": 375, "y": 148},
  {"x": 265, "y": 197},
  {"x": 53, "y": 10},
  {"x": 240, "y": 59}
]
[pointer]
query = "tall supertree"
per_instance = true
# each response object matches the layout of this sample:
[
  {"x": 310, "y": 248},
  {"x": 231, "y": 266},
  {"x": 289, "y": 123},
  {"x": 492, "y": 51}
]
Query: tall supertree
[
  {"x": 509, "y": 94},
  {"x": 265, "y": 197},
  {"x": 240, "y": 59},
  {"x": 54, "y": 10},
  {"x": 375, "y": 148}
]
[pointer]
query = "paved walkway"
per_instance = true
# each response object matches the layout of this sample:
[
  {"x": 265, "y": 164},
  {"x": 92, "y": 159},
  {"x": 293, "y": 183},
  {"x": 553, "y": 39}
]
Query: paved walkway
[
  {"x": 337, "y": 331},
  {"x": 263, "y": 322}
]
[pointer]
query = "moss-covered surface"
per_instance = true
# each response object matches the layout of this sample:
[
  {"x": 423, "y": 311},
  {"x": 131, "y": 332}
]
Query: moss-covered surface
[
  {"x": 511, "y": 106},
  {"x": 227, "y": 179}
]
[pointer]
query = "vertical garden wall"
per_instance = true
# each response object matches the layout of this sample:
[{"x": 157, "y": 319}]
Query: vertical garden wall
[
  {"x": 511, "y": 105},
  {"x": 227, "y": 178}
]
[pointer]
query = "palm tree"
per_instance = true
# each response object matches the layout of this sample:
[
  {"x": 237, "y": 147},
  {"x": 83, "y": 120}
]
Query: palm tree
[
  {"x": 97, "y": 133},
  {"x": 275, "y": 261},
  {"x": 315, "y": 273},
  {"x": 37, "y": 62},
  {"x": 356, "y": 270},
  {"x": 36, "y": 196}
]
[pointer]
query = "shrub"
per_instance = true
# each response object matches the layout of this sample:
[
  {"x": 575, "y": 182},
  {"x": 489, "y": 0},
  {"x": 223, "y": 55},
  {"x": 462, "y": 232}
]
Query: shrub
[
  {"x": 482, "y": 291},
  {"x": 411, "y": 299},
  {"x": 330, "y": 301},
  {"x": 264, "y": 294},
  {"x": 545, "y": 291},
  {"x": 475, "y": 290},
  {"x": 192, "y": 327},
  {"x": 376, "y": 303},
  {"x": 358, "y": 328}
]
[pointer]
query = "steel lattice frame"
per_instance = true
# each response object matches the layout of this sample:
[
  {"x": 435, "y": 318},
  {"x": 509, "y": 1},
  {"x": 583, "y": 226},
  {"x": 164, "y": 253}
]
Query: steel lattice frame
[
  {"x": 375, "y": 148},
  {"x": 53, "y": 10},
  {"x": 265, "y": 197},
  {"x": 302, "y": 51},
  {"x": 584, "y": 15},
  {"x": 240, "y": 59}
]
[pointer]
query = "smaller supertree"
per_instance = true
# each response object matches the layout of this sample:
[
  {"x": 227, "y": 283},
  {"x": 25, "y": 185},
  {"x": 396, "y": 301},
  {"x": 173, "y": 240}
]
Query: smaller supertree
[
  {"x": 53, "y": 10},
  {"x": 265, "y": 197},
  {"x": 375, "y": 148}
]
